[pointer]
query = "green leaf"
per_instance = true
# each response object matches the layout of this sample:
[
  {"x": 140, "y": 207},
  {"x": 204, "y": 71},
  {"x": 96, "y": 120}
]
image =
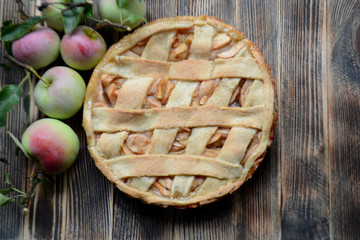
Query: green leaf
[
  {"x": 122, "y": 3},
  {"x": 9, "y": 96},
  {"x": 71, "y": 17},
  {"x": 4, "y": 200},
  {"x": 7, "y": 178},
  {"x": 5, "y": 67},
  {"x": 11, "y": 32},
  {"x": 4, "y": 160},
  {"x": 134, "y": 17},
  {"x": 6, "y": 191},
  {"x": 88, "y": 10},
  {"x": 18, "y": 143},
  {"x": 26, "y": 103},
  {"x": 7, "y": 23},
  {"x": 8, "y": 46},
  {"x": 48, "y": 182},
  {"x": 22, "y": 202}
]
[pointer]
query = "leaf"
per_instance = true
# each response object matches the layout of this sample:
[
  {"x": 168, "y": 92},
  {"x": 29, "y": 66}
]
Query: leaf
[
  {"x": 6, "y": 191},
  {"x": 5, "y": 66},
  {"x": 26, "y": 103},
  {"x": 22, "y": 202},
  {"x": 4, "y": 160},
  {"x": 71, "y": 17},
  {"x": 8, "y": 46},
  {"x": 9, "y": 96},
  {"x": 18, "y": 143},
  {"x": 4, "y": 200},
  {"x": 122, "y": 3},
  {"x": 11, "y": 32},
  {"x": 88, "y": 10},
  {"x": 47, "y": 182},
  {"x": 7, "y": 178},
  {"x": 134, "y": 17}
]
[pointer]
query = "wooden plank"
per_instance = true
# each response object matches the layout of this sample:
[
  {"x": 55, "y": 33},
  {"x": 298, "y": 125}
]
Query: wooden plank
[
  {"x": 133, "y": 219},
  {"x": 257, "y": 203},
  {"x": 88, "y": 195},
  {"x": 12, "y": 217},
  {"x": 59, "y": 212},
  {"x": 303, "y": 122},
  {"x": 215, "y": 221},
  {"x": 343, "y": 34}
]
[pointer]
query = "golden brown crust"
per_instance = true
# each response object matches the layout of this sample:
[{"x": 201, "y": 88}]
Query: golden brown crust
[{"x": 144, "y": 33}]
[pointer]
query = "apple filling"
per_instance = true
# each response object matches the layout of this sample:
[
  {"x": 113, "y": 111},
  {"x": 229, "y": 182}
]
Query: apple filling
[{"x": 156, "y": 92}]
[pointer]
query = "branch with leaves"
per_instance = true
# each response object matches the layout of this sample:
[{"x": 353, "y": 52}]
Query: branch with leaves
[{"x": 72, "y": 12}]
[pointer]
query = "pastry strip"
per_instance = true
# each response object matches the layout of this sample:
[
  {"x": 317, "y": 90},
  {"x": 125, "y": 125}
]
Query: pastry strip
[
  {"x": 221, "y": 97},
  {"x": 243, "y": 67},
  {"x": 256, "y": 94},
  {"x": 236, "y": 144},
  {"x": 110, "y": 144},
  {"x": 268, "y": 114},
  {"x": 132, "y": 94},
  {"x": 191, "y": 70},
  {"x": 137, "y": 36},
  {"x": 128, "y": 67},
  {"x": 158, "y": 46},
  {"x": 170, "y": 165},
  {"x": 201, "y": 46},
  {"x": 163, "y": 139},
  {"x": 200, "y": 50},
  {"x": 187, "y": 70},
  {"x": 141, "y": 120},
  {"x": 200, "y": 137}
]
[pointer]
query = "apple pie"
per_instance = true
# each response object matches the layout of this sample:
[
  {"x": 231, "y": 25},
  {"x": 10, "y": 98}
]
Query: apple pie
[{"x": 180, "y": 112}]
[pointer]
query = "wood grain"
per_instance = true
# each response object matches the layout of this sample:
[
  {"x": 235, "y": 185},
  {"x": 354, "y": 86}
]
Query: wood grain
[
  {"x": 304, "y": 167},
  {"x": 307, "y": 187},
  {"x": 11, "y": 216},
  {"x": 344, "y": 114},
  {"x": 133, "y": 219},
  {"x": 217, "y": 220},
  {"x": 259, "y": 198}
]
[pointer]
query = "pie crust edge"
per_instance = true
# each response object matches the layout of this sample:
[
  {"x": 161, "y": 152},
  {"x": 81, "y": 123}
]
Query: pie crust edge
[{"x": 231, "y": 186}]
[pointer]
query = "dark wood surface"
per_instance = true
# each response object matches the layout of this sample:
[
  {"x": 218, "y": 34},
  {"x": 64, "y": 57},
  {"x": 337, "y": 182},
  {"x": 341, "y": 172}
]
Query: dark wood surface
[{"x": 308, "y": 186}]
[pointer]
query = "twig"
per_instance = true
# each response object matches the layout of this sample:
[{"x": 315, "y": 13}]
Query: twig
[
  {"x": 28, "y": 67},
  {"x": 30, "y": 194},
  {"x": 20, "y": 4},
  {"x": 70, "y": 5},
  {"x": 105, "y": 22}
]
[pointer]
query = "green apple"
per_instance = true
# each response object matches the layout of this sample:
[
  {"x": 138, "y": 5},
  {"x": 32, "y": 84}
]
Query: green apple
[
  {"x": 53, "y": 143},
  {"x": 82, "y": 48},
  {"x": 63, "y": 93},
  {"x": 53, "y": 14},
  {"x": 38, "y": 48},
  {"x": 109, "y": 10}
]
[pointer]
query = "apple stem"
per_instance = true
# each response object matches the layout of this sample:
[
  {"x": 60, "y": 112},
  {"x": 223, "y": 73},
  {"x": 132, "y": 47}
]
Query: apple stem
[
  {"x": 27, "y": 77},
  {"x": 32, "y": 187},
  {"x": 28, "y": 67},
  {"x": 23, "y": 15},
  {"x": 105, "y": 22}
]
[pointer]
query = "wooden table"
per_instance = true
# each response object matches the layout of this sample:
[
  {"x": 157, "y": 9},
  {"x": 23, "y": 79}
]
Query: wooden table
[{"x": 306, "y": 188}]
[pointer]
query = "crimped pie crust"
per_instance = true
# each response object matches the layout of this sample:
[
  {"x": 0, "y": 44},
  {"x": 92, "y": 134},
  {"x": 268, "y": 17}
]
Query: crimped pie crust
[{"x": 180, "y": 112}]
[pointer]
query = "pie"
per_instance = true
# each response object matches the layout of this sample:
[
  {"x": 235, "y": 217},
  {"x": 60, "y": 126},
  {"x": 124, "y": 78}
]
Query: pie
[{"x": 180, "y": 112}]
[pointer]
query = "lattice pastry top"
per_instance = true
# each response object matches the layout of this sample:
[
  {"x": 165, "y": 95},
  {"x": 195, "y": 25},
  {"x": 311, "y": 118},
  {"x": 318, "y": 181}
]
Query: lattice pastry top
[{"x": 180, "y": 112}]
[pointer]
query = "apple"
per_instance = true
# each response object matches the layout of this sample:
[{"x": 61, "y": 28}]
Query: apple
[
  {"x": 63, "y": 93},
  {"x": 109, "y": 10},
  {"x": 38, "y": 48},
  {"x": 52, "y": 12},
  {"x": 82, "y": 48},
  {"x": 53, "y": 143},
  {"x": 53, "y": 15}
]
